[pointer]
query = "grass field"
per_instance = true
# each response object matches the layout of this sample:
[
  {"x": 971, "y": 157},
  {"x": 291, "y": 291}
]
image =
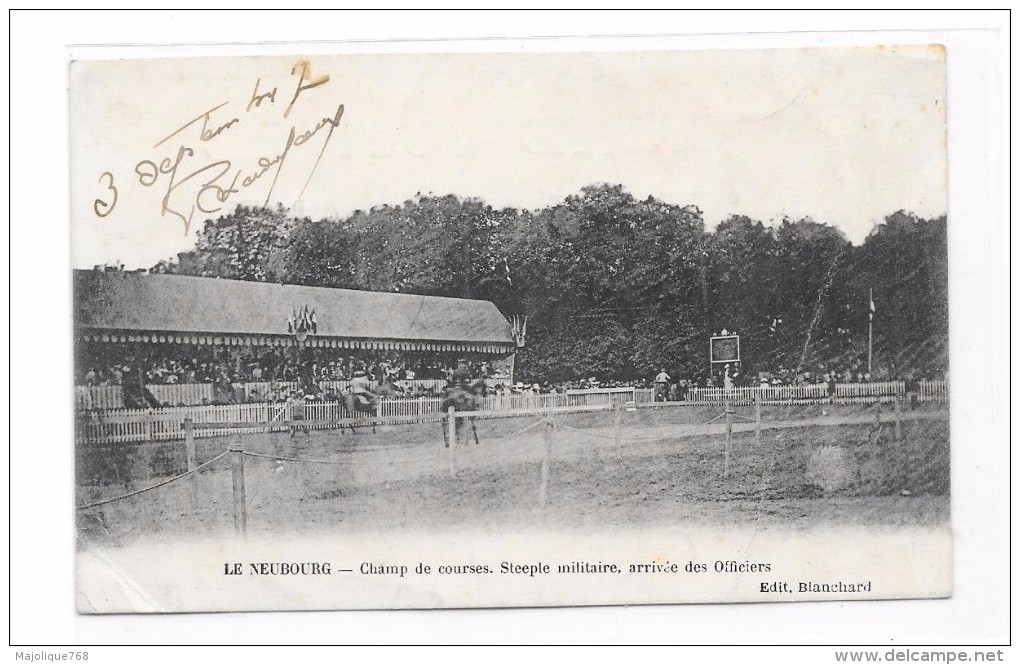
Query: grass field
[{"x": 667, "y": 469}]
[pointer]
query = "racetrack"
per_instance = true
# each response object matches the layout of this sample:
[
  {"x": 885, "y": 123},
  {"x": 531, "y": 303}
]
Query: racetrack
[{"x": 667, "y": 469}]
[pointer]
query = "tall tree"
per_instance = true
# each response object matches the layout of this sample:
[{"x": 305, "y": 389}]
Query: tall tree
[
  {"x": 616, "y": 287},
  {"x": 248, "y": 244}
]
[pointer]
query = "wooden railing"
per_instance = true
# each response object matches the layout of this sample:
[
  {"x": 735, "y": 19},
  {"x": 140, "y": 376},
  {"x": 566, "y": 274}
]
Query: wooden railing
[
  {"x": 122, "y": 425},
  {"x": 196, "y": 394},
  {"x": 928, "y": 391},
  {"x": 98, "y": 397}
]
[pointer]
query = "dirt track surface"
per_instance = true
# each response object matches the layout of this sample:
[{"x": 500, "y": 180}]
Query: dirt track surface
[{"x": 661, "y": 472}]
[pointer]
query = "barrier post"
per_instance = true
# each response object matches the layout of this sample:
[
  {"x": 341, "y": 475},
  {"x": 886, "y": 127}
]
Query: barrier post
[
  {"x": 757, "y": 416},
  {"x": 189, "y": 452},
  {"x": 543, "y": 488},
  {"x": 617, "y": 424},
  {"x": 189, "y": 442},
  {"x": 237, "y": 472},
  {"x": 897, "y": 433},
  {"x": 729, "y": 435},
  {"x": 451, "y": 439}
]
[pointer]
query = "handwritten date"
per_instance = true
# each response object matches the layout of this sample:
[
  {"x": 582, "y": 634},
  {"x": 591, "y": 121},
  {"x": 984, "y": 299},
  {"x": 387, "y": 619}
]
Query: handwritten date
[{"x": 193, "y": 184}]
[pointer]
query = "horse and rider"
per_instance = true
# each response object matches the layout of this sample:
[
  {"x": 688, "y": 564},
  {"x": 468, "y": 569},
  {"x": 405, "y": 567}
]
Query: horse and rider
[
  {"x": 463, "y": 392},
  {"x": 363, "y": 399}
]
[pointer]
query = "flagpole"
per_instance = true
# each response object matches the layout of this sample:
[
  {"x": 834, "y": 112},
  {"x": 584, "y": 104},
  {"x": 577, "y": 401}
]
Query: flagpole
[{"x": 871, "y": 316}]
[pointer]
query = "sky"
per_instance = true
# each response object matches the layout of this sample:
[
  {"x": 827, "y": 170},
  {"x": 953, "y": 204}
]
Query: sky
[{"x": 843, "y": 135}]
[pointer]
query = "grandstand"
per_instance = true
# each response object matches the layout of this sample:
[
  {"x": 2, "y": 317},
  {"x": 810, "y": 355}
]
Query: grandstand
[{"x": 147, "y": 340}]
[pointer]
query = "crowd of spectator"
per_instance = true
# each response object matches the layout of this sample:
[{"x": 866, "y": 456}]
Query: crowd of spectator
[
  {"x": 316, "y": 372},
  {"x": 113, "y": 364}
]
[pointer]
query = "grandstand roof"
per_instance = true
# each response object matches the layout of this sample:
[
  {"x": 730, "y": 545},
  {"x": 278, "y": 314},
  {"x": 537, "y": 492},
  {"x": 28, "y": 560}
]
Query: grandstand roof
[{"x": 127, "y": 306}]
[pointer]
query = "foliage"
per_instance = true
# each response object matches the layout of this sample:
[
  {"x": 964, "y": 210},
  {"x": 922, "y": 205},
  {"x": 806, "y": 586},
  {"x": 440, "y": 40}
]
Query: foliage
[{"x": 616, "y": 287}]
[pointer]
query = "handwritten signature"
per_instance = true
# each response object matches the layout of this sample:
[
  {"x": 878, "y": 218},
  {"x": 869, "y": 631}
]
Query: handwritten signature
[{"x": 190, "y": 184}]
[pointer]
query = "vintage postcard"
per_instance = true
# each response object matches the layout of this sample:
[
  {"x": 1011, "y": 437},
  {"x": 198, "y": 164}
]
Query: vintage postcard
[{"x": 445, "y": 330}]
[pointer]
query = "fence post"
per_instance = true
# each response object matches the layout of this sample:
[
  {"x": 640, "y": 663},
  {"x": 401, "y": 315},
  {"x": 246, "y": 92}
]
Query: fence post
[
  {"x": 451, "y": 439},
  {"x": 237, "y": 472},
  {"x": 189, "y": 453},
  {"x": 617, "y": 424},
  {"x": 757, "y": 416},
  {"x": 543, "y": 488},
  {"x": 729, "y": 435},
  {"x": 896, "y": 416},
  {"x": 189, "y": 442}
]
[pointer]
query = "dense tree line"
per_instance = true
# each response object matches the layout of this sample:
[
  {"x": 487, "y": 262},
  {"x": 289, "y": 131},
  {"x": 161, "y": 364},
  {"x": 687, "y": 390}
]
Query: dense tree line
[{"x": 616, "y": 287}]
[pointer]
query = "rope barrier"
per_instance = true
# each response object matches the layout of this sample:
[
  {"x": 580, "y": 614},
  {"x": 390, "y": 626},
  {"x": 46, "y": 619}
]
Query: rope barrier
[
  {"x": 429, "y": 463},
  {"x": 692, "y": 428},
  {"x": 152, "y": 487},
  {"x": 647, "y": 439},
  {"x": 294, "y": 459},
  {"x": 521, "y": 431}
]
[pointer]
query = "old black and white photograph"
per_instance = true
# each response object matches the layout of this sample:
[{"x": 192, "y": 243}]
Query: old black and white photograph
[{"x": 427, "y": 330}]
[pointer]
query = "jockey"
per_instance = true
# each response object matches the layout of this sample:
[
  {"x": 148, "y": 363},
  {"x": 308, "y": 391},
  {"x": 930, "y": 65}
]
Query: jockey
[{"x": 361, "y": 388}]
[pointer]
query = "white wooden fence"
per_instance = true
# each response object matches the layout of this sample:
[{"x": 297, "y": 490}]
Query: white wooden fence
[
  {"x": 121, "y": 425},
  {"x": 521, "y": 402},
  {"x": 596, "y": 396},
  {"x": 422, "y": 406},
  {"x": 194, "y": 394},
  {"x": 168, "y": 424},
  {"x": 928, "y": 391},
  {"x": 183, "y": 394},
  {"x": 747, "y": 395},
  {"x": 114, "y": 426},
  {"x": 643, "y": 395},
  {"x": 934, "y": 391},
  {"x": 410, "y": 385},
  {"x": 809, "y": 392},
  {"x": 868, "y": 389},
  {"x": 87, "y": 398}
]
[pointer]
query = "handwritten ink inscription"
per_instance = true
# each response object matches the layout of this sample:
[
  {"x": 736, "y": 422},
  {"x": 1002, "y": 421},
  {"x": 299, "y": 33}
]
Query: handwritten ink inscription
[
  {"x": 101, "y": 207},
  {"x": 191, "y": 184}
]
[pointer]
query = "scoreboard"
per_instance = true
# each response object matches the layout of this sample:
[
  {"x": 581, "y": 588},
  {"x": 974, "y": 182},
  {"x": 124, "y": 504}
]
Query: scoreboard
[{"x": 725, "y": 349}]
